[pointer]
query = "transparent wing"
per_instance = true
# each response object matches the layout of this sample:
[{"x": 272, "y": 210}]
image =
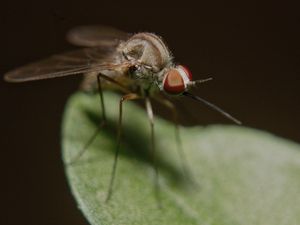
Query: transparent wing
[
  {"x": 69, "y": 63},
  {"x": 96, "y": 35}
]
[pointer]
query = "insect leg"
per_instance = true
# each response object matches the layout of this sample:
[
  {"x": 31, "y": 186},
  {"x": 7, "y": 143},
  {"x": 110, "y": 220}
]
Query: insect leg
[
  {"x": 102, "y": 108},
  {"x": 101, "y": 98},
  {"x": 130, "y": 96},
  {"x": 123, "y": 88},
  {"x": 151, "y": 120},
  {"x": 179, "y": 145}
]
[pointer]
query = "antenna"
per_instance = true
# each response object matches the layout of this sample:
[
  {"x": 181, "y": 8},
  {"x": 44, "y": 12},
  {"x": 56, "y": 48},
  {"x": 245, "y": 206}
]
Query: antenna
[
  {"x": 211, "y": 105},
  {"x": 195, "y": 82}
]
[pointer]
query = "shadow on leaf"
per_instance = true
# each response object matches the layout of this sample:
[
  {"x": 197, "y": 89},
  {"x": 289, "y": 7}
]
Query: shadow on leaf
[{"x": 136, "y": 144}]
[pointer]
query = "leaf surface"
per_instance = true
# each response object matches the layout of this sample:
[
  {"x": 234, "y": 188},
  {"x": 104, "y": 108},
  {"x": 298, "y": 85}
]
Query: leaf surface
[{"x": 239, "y": 175}]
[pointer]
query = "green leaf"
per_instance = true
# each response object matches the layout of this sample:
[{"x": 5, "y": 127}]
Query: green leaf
[{"x": 240, "y": 175}]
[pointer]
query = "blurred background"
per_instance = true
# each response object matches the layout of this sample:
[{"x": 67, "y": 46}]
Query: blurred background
[{"x": 250, "y": 49}]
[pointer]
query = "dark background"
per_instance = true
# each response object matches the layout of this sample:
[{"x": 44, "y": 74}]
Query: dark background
[{"x": 251, "y": 50}]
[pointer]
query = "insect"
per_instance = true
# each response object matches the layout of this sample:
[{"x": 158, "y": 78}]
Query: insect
[{"x": 140, "y": 65}]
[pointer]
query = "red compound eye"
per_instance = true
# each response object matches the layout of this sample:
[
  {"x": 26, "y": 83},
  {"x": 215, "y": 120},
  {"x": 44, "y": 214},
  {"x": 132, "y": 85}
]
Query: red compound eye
[
  {"x": 173, "y": 82},
  {"x": 186, "y": 71}
]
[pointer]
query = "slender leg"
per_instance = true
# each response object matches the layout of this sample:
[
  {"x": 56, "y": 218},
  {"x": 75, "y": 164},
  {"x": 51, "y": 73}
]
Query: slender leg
[
  {"x": 121, "y": 86},
  {"x": 130, "y": 96},
  {"x": 153, "y": 153},
  {"x": 102, "y": 108},
  {"x": 180, "y": 151}
]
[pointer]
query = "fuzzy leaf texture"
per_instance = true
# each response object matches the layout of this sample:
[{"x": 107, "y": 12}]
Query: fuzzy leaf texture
[{"x": 239, "y": 176}]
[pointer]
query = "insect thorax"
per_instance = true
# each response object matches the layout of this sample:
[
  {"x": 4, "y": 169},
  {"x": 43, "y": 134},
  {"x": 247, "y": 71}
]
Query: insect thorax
[
  {"x": 147, "y": 49},
  {"x": 149, "y": 55}
]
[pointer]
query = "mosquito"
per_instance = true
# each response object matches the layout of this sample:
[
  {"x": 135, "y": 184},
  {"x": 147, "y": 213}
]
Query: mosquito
[{"x": 140, "y": 65}]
